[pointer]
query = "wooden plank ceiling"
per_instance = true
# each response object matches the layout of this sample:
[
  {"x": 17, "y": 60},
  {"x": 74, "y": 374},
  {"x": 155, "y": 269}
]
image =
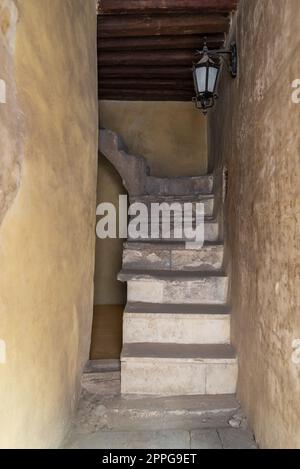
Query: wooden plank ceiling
[{"x": 146, "y": 47}]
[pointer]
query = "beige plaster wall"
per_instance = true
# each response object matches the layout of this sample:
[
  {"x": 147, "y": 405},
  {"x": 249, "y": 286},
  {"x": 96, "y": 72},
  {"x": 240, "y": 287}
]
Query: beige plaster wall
[
  {"x": 48, "y": 164},
  {"x": 170, "y": 135},
  {"x": 255, "y": 128}
]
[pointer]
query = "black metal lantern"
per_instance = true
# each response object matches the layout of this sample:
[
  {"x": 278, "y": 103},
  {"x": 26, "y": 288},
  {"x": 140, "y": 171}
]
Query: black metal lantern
[{"x": 206, "y": 73}]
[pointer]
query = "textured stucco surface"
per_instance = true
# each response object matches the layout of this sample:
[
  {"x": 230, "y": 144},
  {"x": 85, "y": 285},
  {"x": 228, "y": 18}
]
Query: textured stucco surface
[
  {"x": 48, "y": 167},
  {"x": 255, "y": 128},
  {"x": 170, "y": 135}
]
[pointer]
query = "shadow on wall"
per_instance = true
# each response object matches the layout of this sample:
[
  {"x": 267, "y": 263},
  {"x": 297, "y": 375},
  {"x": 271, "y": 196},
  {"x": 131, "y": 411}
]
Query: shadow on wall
[
  {"x": 108, "y": 258},
  {"x": 109, "y": 293}
]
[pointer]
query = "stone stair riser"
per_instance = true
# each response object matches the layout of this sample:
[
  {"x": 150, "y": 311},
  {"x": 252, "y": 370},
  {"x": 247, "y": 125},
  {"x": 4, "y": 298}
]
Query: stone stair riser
[
  {"x": 180, "y": 186},
  {"x": 181, "y": 329},
  {"x": 207, "y": 202},
  {"x": 205, "y": 290},
  {"x": 206, "y": 259},
  {"x": 171, "y": 378},
  {"x": 211, "y": 233}
]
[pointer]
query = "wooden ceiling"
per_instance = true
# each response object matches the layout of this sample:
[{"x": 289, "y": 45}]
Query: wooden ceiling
[{"x": 146, "y": 47}]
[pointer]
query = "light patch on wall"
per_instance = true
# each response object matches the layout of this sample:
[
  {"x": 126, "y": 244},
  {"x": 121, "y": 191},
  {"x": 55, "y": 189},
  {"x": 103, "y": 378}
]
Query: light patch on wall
[
  {"x": 2, "y": 352},
  {"x": 296, "y": 93},
  {"x": 2, "y": 92},
  {"x": 8, "y": 24},
  {"x": 296, "y": 351}
]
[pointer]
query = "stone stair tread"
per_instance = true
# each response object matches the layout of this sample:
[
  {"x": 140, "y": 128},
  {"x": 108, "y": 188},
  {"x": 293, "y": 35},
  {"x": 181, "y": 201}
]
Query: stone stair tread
[
  {"x": 171, "y": 241},
  {"x": 181, "y": 185},
  {"x": 180, "y": 405},
  {"x": 164, "y": 308},
  {"x": 207, "y": 220},
  {"x": 166, "y": 244},
  {"x": 130, "y": 274},
  {"x": 180, "y": 198},
  {"x": 203, "y": 352},
  {"x": 182, "y": 178},
  {"x": 183, "y": 196}
]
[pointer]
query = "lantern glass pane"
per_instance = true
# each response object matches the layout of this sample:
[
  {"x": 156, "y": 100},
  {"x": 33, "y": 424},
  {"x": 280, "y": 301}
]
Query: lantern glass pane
[
  {"x": 201, "y": 79},
  {"x": 212, "y": 78}
]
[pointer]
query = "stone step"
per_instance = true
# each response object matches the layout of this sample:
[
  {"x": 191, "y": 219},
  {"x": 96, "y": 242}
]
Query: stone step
[
  {"x": 104, "y": 408},
  {"x": 178, "y": 369},
  {"x": 211, "y": 232},
  {"x": 207, "y": 200},
  {"x": 175, "y": 287},
  {"x": 185, "y": 324},
  {"x": 171, "y": 256},
  {"x": 180, "y": 185}
]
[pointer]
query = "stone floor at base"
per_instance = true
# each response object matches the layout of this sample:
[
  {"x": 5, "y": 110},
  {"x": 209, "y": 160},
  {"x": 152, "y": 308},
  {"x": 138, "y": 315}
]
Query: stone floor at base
[{"x": 107, "y": 420}]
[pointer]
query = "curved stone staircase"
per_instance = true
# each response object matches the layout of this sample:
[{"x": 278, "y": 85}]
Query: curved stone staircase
[{"x": 176, "y": 338}]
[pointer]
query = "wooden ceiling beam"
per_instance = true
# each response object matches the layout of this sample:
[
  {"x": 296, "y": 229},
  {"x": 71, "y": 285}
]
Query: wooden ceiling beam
[
  {"x": 144, "y": 72},
  {"x": 146, "y": 84},
  {"x": 129, "y": 7},
  {"x": 160, "y": 42},
  {"x": 154, "y": 58},
  {"x": 141, "y": 26},
  {"x": 145, "y": 95}
]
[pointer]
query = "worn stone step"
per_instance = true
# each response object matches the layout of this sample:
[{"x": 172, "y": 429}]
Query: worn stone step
[
  {"x": 211, "y": 232},
  {"x": 175, "y": 287},
  {"x": 180, "y": 185},
  {"x": 178, "y": 369},
  {"x": 185, "y": 327},
  {"x": 171, "y": 256},
  {"x": 103, "y": 407},
  {"x": 207, "y": 200}
]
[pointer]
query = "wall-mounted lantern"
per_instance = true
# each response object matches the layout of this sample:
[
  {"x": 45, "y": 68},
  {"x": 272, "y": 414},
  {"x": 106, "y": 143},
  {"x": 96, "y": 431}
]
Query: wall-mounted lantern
[{"x": 206, "y": 73}]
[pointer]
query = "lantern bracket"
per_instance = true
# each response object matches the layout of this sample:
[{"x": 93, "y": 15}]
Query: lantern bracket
[{"x": 231, "y": 51}]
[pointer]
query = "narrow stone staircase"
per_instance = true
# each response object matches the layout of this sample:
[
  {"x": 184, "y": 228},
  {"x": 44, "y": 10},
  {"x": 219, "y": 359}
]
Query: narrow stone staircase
[{"x": 176, "y": 329}]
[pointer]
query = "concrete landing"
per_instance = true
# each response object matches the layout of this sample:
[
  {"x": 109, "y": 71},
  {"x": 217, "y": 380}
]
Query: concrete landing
[{"x": 107, "y": 420}]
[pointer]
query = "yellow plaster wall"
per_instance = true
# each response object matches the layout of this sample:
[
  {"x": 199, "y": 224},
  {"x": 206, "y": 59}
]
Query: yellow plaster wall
[{"x": 48, "y": 167}]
